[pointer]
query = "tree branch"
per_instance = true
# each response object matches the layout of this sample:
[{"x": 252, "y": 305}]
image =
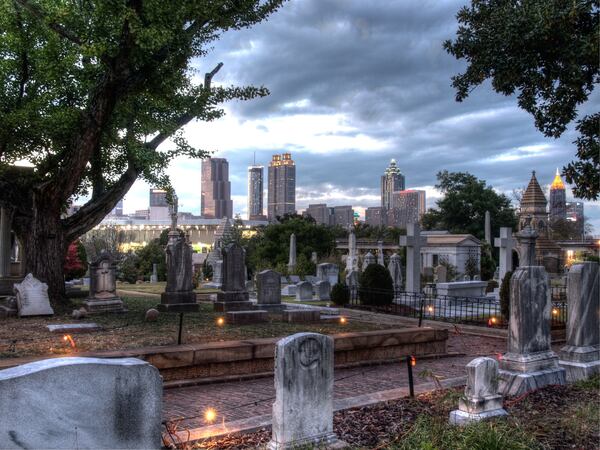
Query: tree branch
[{"x": 39, "y": 14}]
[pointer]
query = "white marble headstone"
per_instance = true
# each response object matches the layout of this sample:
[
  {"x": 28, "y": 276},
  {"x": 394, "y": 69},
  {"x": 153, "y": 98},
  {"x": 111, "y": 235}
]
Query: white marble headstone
[{"x": 32, "y": 297}]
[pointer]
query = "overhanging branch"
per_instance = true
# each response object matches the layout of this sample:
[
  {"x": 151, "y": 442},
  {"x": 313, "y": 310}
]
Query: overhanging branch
[{"x": 39, "y": 14}]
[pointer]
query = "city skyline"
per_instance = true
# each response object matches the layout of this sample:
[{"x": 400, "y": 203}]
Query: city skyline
[{"x": 343, "y": 122}]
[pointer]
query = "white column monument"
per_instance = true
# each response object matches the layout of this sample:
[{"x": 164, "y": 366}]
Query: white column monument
[
  {"x": 506, "y": 243},
  {"x": 488, "y": 228},
  {"x": 292, "y": 260},
  {"x": 413, "y": 241}
]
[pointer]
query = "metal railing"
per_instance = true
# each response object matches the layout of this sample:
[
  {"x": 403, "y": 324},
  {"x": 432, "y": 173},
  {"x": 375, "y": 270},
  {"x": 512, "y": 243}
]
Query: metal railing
[{"x": 482, "y": 311}]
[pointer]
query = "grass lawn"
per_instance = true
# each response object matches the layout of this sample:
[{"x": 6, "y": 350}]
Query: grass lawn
[
  {"x": 29, "y": 336},
  {"x": 556, "y": 417},
  {"x": 156, "y": 288}
]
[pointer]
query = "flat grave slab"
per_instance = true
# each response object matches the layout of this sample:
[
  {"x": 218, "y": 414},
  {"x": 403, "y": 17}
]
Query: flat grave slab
[
  {"x": 301, "y": 315},
  {"x": 74, "y": 328},
  {"x": 246, "y": 317}
]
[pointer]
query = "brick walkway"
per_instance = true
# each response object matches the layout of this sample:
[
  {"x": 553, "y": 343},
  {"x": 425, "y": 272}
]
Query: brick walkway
[{"x": 244, "y": 399}]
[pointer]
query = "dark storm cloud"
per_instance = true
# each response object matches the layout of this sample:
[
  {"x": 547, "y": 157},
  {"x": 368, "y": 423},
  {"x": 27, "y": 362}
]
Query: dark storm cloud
[{"x": 383, "y": 66}]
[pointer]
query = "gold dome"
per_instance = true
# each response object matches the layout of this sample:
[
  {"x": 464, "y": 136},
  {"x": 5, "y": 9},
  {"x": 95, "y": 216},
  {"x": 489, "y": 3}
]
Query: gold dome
[{"x": 557, "y": 183}]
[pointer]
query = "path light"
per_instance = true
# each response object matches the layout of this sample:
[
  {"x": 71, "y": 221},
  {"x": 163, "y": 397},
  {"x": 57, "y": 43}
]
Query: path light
[
  {"x": 69, "y": 339},
  {"x": 210, "y": 415},
  {"x": 492, "y": 321},
  {"x": 554, "y": 312},
  {"x": 220, "y": 321},
  {"x": 413, "y": 361},
  {"x": 430, "y": 309},
  {"x": 343, "y": 320}
]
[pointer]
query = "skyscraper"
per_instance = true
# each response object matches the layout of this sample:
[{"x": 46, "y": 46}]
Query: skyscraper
[
  {"x": 407, "y": 207},
  {"x": 574, "y": 213},
  {"x": 255, "y": 192},
  {"x": 558, "y": 199},
  {"x": 215, "y": 202},
  {"x": 282, "y": 186},
  {"x": 159, "y": 208},
  {"x": 392, "y": 180}
]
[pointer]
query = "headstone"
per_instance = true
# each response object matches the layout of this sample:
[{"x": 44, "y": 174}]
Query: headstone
[
  {"x": 441, "y": 274},
  {"x": 268, "y": 292},
  {"x": 395, "y": 268},
  {"x": 294, "y": 279},
  {"x": 152, "y": 315},
  {"x": 117, "y": 403},
  {"x": 368, "y": 260},
  {"x": 581, "y": 354},
  {"x": 506, "y": 243},
  {"x": 32, "y": 297},
  {"x": 69, "y": 328},
  {"x": 380, "y": 260},
  {"x": 216, "y": 264},
  {"x": 304, "y": 291},
  {"x": 328, "y": 272},
  {"x": 488, "y": 228},
  {"x": 234, "y": 284},
  {"x": 481, "y": 400},
  {"x": 284, "y": 280},
  {"x": 311, "y": 279},
  {"x": 303, "y": 408},
  {"x": 476, "y": 278},
  {"x": 466, "y": 277},
  {"x": 103, "y": 286},
  {"x": 413, "y": 241},
  {"x": 530, "y": 362},
  {"x": 290, "y": 289},
  {"x": 154, "y": 276},
  {"x": 292, "y": 260},
  {"x": 323, "y": 288},
  {"x": 313, "y": 258}
]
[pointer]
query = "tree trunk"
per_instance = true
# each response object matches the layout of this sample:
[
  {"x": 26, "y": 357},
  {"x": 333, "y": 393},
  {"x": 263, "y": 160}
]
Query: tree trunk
[{"x": 45, "y": 249}]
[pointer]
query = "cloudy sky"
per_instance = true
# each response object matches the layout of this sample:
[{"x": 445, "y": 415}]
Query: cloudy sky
[{"x": 354, "y": 84}]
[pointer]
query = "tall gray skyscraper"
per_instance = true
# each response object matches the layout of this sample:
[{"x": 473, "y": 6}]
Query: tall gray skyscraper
[
  {"x": 282, "y": 186},
  {"x": 215, "y": 202},
  {"x": 392, "y": 180},
  {"x": 255, "y": 192}
]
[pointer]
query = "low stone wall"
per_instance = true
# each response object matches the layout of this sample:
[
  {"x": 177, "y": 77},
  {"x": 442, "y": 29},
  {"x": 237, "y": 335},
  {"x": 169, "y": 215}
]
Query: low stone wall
[{"x": 255, "y": 357}]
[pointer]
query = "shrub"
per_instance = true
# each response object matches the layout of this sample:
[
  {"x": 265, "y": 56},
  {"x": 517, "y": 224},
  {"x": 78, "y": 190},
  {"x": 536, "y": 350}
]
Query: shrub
[
  {"x": 492, "y": 284},
  {"x": 76, "y": 264},
  {"x": 376, "y": 286},
  {"x": 340, "y": 294},
  {"x": 505, "y": 296}
]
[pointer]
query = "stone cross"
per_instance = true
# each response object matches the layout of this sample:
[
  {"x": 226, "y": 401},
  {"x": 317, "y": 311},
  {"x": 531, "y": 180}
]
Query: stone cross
[
  {"x": 413, "y": 241},
  {"x": 303, "y": 408},
  {"x": 292, "y": 260},
  {"x": 368, "y": 260},
  {"x": 380, "y": 253},
  {"x": 581, "y": 354},
  {"x": 395, "y": 268},
  {"x": 488, "y": 228},
  {"x": 506, "y": 243},
  {"x": 526, "y": 238},
  {"x": 530, "y": 362},
  {"x": 481, "y": 400}
]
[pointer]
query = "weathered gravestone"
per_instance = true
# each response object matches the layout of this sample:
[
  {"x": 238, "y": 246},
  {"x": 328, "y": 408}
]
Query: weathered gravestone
[
  {"x": 581, "y": 354},
  {"x": 233, "y": 295},
  {"x": 32, "y": 297},
  {"x": 103, "y": 286},
  {"x": 154, "y": 276},
  {"x": 304, "y": 291},
  {"x": 303, "y": 408},
  {"x": 328, "y": 272},
  {"x": 368, "y": 260},
  {"x": 352, "y": 258},
  {"x": 395, "y": 268},
  {"x": 295, "y": 279},
  {"x": 292, "y": 260},
  {"x": 83, "y": 403},
  {"x": 268, "y": 292},
  {"x": 441, "y": 274},
  {"x": 323, "y": 289},
  {"x": 481, "y": 400},
  {"x": 380, "y": 259},
  {"x": 530, "y": 362}
]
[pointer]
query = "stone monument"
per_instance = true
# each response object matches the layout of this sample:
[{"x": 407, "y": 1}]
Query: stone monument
[
  {"x": 380, "y": 259},
  {"x": 233, "y": 295},
  {"x": 179, "y": 295},
  {"x": 506, "y": 243},
  {"x": 304, "y": 291},
  {"x": 352, "y": 258},
  {"x": 328, "y": 272},
  {"x": 323, "y": 289},
  {"x": 314, "y": 258},
  {"x": 413, "y": 241},
  {"x": 368, "y": 260},
  {"x": 481, "y": 400},
  {"x": 303, "y": 408},
  {"x": 154, "y": 276},
  {"x": 581, "y": 354},
  {"x": 488, "y": 228},
  {"x": 530, "y": 362},
  {"x": 395, "y": 268},
  {"x": 83, "y": 403},
  {"x": 441, "y": 274},
  {"x": 292, "y": 260},
  {"x": 268, "y": 290},
  {"x": 103, "y": 286},
  {"x": 32, "y": 297},
  {"x": 352, "y": 280}
]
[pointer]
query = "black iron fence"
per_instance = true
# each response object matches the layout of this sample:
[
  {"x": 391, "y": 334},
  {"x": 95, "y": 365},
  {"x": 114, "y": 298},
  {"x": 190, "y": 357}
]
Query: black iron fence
[{"x": 482, "y": 311}]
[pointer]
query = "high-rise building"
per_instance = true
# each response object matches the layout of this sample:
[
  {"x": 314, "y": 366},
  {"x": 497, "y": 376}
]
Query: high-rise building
[
  {"x": 117, "y": 210},
  {"x": 408, "y": 206},
  {"x": 558, "y": 199},
  {"x": 375, "y": 216},
  {"x": 215, "y": 200},
  {"x": 343, "y": 215},
  {"x": 255, "y": 192},
  {"x": 282, "y": 186},
  {"x": 392, "y": 180},
  {"x": 574, "y": 213},
  {"x": 326, "y": 215},
  {"x": 320, "y": 212},
  {"x": 159, "y": 207}
]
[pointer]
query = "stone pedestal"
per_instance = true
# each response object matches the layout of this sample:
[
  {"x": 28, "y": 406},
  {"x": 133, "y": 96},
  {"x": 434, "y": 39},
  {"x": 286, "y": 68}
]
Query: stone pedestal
[
  {"x": 530, "y": 362},
  {"x": 303, "y": 408},
  {"x": 481, "y": 400},
  {"x": 328, "y": 272},
  {"x": 234, "y": 283},
  {"x": 581, "y": 355}
]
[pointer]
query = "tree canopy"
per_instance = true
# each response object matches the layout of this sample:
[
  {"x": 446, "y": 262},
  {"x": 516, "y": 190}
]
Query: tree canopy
[
  {"x": 546, "y": 52},
  {"x": 463, "y": 206}
]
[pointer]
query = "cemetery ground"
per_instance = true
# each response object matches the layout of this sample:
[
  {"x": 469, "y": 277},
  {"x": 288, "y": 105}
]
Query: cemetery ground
[
  {"x": 556, "y": 417},
  {"x": 25, "y": 337}
]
